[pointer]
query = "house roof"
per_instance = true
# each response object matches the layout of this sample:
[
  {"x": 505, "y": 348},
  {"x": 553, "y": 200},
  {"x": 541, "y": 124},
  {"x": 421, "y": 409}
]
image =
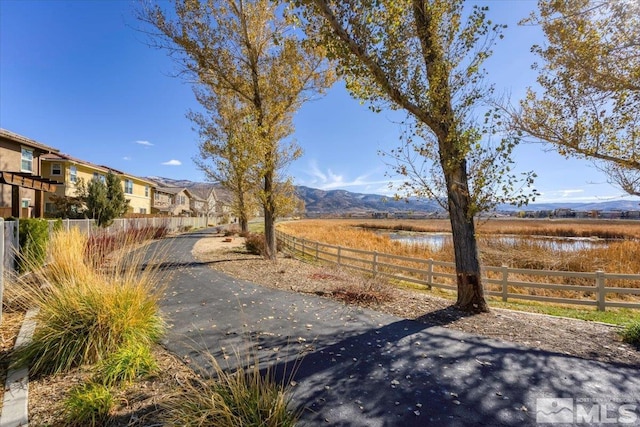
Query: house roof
[
  {"x": 4, "y": 133},
  {"x": 170, "y": 190},
  {"x": 61, "y": 157},
  {"x": 202, "y": 191},
  {"x": 223, "y": 195}
]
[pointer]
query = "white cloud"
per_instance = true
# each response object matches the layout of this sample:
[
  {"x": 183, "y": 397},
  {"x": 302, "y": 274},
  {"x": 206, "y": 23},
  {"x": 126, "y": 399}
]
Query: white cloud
[
  {"x": 372, "y": 181},
  {"x": 172, "y": 162},
  {"x": 145, "y": 143},
  {"x": 127, "y": 158}
]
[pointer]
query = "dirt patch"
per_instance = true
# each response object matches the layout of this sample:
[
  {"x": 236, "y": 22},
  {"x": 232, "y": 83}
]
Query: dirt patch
[
  {"x": 137, "y": 404},
  {"x": 588, "y": 340}
]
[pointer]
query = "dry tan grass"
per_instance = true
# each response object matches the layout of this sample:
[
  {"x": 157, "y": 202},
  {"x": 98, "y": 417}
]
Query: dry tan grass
[
  {"x": 621, "y": 257},
  {"x": 606, "y": 229}
]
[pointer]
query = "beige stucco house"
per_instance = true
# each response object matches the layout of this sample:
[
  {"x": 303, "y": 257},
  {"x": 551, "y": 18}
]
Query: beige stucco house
[
  {"x": 69, "y": 171},
  {"x": 173, "y": 201}
]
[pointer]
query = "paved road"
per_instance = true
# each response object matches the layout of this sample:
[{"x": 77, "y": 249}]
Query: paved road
[{"x": 364, "y": 368}]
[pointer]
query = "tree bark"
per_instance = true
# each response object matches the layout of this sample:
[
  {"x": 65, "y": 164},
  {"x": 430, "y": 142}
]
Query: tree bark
[
  {"x": 269, "y": 219},
  {"x": 468, "y": 273},
  {"x": 442, "y": 121},
  {"x": 244, "y": 225}
]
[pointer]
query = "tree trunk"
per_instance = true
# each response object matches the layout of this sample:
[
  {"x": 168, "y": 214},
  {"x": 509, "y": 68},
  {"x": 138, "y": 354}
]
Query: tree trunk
[
  {"x": 470, "y": 292},
  {"x": 244, "y": 225},
  {"x": 269, "y": 219}
]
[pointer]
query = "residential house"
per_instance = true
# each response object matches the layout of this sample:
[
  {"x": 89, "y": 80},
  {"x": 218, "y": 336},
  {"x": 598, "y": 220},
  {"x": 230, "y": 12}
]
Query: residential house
[
  {"x": 174, "y": 201},
  {"x": 138, "y": 191},
  {"x": 203, "y": 202},
  {"x": 22, "y": 188},
  {"x": 224, "y": 206},
  {"x": 197, "y": 205},
  {"x": 70, "y": 171}
]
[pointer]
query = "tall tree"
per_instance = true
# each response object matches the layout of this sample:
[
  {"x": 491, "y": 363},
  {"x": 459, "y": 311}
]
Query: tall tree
[
  {"x": 94, "y": 196},
  {"x": 247, "y": 50},
  {"x": 590, "y": 85},
  {"x": 424, "y": 57},
  {"x": 226, "y": 153},
  {"x": 105, "y": 201},
  {"x": 117, "y": 204}
]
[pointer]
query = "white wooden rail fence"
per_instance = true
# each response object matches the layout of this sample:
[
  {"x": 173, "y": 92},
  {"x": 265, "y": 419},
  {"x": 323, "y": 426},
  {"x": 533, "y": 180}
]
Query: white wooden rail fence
[
  {"x": 9, "y": 231},
  {"x": 429, "y": 273},
  {"x": 9, "y": 237}
]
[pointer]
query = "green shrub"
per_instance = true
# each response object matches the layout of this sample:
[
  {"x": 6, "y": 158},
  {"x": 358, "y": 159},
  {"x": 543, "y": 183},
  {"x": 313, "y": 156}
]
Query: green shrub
[
  {"x": 631, "y": 334},
  {"x": 125, "y": 365},
  {"x": 33, "y": 238},
  {"x": 88, "y": 405}
]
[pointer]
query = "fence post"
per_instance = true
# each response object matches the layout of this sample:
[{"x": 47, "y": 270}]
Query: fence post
[
  {"x": 505, "y": 283},
  {"x": 294, "y": 247},
  {"x": 429, "y": 273},
  {"x": 601, "y": 304},
  {"x": 16, "y": 245},
  {"x": 304, "y": 249},
  {"x": 339, "y": 247},
  {"x": 375, "y": 263},
  {"x": 1, "y": 264},
  {"x": 68, "y": 224},
  {"x": 317, "y": 251}
]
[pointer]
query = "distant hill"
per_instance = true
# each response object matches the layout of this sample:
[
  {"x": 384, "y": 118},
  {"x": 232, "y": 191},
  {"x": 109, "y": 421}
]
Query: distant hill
[
  {"x": 182, "y": 183},
  {"x": 341, "y": 201},
  {"x": 611, "y": 205}
]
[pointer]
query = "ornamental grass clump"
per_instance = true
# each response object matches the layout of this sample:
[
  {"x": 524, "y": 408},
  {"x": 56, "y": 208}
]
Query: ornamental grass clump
[
  {"x": 88, "y": 405},
  {"x": 241, "y": 397},
  {"x": 126, "y": 365},
  {"x": 86, "y": 314}
]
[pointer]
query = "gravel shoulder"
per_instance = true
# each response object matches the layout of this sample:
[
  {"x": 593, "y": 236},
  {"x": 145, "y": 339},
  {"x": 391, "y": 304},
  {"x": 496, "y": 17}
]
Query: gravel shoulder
[{"x": 584, "y": 339}]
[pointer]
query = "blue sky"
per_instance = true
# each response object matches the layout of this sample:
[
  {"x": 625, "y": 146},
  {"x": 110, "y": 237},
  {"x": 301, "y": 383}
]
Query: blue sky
[{"x": 76, "y": 75}]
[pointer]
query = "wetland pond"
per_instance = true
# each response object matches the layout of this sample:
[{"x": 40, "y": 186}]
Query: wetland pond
[{"x": 436, "y": 241}]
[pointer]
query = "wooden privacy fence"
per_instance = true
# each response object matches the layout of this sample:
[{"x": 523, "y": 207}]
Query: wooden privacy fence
[{"x": 498, "y": 281}]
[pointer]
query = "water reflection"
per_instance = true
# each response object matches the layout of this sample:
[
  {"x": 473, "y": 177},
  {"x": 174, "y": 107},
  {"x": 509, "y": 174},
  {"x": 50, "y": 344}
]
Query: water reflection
[{"x": 436, "y": 241}]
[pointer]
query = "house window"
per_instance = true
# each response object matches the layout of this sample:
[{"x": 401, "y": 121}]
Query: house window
[
  {"x": 143, "y": 210},
  {"x": 56, "y": 169},
  {"x": 181, "y": 200},
  {"x": 25, "y": 203},
  {"x": 49, "y": 207},
  {"x": 99, "y": 177},
  {"x": 156, "y": 196},
  {"x": 27, "y": 160},
  {"x": 73, "y": 174},
  {"x": 146, "y": 191},
  {"x": 128, "y": 186}
]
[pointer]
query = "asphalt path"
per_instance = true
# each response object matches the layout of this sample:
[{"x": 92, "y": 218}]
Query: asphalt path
[{"x": 357, "y": 367}]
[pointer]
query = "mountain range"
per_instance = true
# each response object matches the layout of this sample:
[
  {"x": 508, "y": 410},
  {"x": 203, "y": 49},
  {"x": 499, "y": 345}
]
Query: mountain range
[{"x": 341, "y": 201}]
